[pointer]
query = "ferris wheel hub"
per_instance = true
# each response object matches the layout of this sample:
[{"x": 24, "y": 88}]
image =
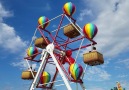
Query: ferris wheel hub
[{"x": 50, "y": 48}]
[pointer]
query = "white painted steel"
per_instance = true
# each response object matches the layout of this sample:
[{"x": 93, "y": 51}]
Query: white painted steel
[
  {"x": 37, "y": 77},
  {"x": 50, "y": 49}
]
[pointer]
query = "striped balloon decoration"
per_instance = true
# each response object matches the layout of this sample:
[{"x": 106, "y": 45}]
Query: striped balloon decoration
[
  {"x": 76, "y": 71},
  {"x": 90, "y": 30},
  {"x": 43, "y": 22},
  {"x": 45, "y": 78},
  {"x": 31, "y": 51},
  {"x": 69, "y": 8}
]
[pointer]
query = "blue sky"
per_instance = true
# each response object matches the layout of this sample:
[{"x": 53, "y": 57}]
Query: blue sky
[{"x": 18, "y": 21}]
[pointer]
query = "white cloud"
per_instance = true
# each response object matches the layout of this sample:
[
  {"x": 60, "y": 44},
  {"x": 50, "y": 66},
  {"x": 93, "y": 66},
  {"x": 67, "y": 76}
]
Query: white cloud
[
  {"x": 4, "y": 13},
  {"x": 106, "y": 63},
  {"x": 9, "y": 40},
  {"x": 122, "y": 76},
  {"x": 84, "y": 13},
  {"x": 23, "y": 65},
  {"x": 125, "y": 62},
  {"x": 112, "y": 37},
  {"x": 97, "y": 74}
]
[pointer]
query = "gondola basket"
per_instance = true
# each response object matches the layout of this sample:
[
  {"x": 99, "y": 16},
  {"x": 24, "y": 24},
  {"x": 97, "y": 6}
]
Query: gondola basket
[
  {"x": 71, "y": 31},
  {"x": 93, "y": 58},
  {"x": 27, "y": 75},
  {"x": 41, "y": 43}
]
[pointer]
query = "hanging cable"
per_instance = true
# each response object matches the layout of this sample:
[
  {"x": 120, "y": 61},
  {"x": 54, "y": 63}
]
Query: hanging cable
[
  {"x": 79, "y": 49},
  {"x": 33, "y": 38},
  {"x": 84, "y": 71},
  {"x": 76, "y": 86}
]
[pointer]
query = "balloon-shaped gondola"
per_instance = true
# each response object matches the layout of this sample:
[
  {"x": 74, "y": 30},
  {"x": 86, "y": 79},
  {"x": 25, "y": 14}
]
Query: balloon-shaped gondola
[
  {"x": 90, "y": 30},
  {"x": 43, "y": 22},
  {"x": 45, "y": 78},
  {"x": 75, "y": 70},
  {"x": 31, "y": 51},
  {"x": 69, "y": 8}
]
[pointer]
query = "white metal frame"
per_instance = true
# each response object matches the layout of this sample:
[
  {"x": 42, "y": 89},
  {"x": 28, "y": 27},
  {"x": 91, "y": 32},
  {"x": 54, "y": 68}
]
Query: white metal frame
[
  {"x": 44, "y": 55},
  {"x": 37, "y": 77}
]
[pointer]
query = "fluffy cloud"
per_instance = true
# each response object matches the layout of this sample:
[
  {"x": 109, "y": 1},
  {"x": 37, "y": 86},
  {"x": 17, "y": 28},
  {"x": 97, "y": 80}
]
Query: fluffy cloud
[
  {"x": 122, "y": 76},
  {"x": 4, "y": 13},
  {"x": 9, "y": 40},
  {"x": 124, "y": 63},
  {"x": 97, "y": 74},
  {"x": 113, "y": 30},
  {"x": 23, "y": 65},
  {"x": 110, "y": 16},
  {"x": 111, "y": 19},
  {"x": 84, "y": 13}
]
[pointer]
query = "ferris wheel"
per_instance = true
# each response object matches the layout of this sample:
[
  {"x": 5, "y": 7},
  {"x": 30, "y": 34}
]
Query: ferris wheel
[{"x": 59, "y": 47}]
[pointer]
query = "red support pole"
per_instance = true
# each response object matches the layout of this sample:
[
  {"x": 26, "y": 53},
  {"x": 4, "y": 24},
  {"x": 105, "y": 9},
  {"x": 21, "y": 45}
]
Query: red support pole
[
  {"x": 55, "y": 75},
  {"x": 32, "y": 55},
  {"x": 43, "y": 70},
  {"x": 72, "y": 41},
  {"x": 82, "y": 47},
  {"x": 43, "y": 36},
  {"x": 64, "y": 70},
  {"x": 59, "y": 27},
  {"x": 65, "y": 41}
]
